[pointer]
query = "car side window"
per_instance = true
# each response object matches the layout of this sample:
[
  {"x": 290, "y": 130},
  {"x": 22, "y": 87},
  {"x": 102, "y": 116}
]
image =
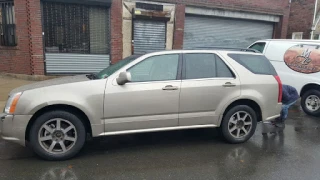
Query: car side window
[
  {"x": 258, "y": 46},
  {"x": 205, "y": 65},
  {"x": 200, "y": 66},
  {"x": 156, "y": 68},
  {"x": 222, "y": 69}
]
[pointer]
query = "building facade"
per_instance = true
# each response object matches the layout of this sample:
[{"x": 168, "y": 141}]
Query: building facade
[
  {"x": 48, "y": 37},
  {"x": 304, "y": 20}
]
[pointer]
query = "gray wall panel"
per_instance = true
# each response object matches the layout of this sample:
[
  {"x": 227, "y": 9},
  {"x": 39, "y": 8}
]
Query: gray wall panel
[
  {"x": 205, "y": 31},
  {"x": 65, "y": 63}
]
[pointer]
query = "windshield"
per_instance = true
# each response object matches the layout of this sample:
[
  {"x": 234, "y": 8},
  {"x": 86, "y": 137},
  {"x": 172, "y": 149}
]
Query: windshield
[{"x": 115, "y": 67}]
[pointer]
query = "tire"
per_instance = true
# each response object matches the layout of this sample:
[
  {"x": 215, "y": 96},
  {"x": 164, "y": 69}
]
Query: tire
[
  {"x": 72, "y": 134},
  {"x": 230, "y": 122},
  {"x": 308, "y": 109}
]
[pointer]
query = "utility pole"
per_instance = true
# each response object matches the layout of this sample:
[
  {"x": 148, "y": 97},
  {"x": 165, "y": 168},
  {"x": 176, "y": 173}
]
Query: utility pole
[{"x": 313, "y": 28}]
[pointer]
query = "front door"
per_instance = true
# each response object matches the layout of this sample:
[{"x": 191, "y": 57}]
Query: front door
[
  {"x": 207, "y": 85},
  {"x": 150, "y": 100}
]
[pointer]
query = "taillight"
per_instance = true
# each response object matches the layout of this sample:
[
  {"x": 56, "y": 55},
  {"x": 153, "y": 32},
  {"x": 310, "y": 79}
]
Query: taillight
[{"x": 279, "y": 88}]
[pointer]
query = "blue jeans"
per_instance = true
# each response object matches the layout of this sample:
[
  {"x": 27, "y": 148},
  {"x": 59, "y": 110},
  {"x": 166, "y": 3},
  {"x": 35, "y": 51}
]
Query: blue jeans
[{"x": 285, "y": 109}]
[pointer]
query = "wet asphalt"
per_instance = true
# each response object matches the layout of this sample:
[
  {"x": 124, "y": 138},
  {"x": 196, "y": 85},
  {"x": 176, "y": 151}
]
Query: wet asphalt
[{"x": 188, "y": 154}]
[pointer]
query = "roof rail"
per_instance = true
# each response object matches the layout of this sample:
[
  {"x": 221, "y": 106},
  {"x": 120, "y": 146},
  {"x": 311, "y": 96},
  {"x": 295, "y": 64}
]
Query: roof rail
[{"x": 226, "y": 48}]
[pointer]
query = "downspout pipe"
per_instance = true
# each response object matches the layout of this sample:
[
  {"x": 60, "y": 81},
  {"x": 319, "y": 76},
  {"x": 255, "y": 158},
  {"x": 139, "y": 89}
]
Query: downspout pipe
[{"x": 313, "y": 28}]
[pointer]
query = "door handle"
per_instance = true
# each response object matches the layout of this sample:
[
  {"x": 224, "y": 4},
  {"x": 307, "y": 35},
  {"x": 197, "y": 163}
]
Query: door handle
[
  {"x": 229, "y": 84},
  {"x": 170, "y": 87}
]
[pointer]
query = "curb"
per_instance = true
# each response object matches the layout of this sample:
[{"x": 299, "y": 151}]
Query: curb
[{"x": 28, "y": 77}]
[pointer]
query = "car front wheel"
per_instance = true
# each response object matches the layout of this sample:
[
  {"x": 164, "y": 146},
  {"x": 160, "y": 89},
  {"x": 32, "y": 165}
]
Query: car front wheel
[
  {"x": 239, "y": 124},
  {"x": 310, "y": 102},
  {"x": 57, "y": 135}
]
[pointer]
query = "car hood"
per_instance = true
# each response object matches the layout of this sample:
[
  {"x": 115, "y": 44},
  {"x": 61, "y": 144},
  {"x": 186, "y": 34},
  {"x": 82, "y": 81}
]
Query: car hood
[{"x": 51, "y": 82}]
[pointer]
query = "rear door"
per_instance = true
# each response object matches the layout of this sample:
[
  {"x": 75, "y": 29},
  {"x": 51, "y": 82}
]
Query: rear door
[
  {"x": 207, "y": 82},
  {"x": 259, "y": 81}
]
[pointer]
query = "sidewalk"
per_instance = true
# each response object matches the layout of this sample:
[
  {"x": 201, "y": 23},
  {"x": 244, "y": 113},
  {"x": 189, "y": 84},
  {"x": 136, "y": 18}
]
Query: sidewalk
[{"x": 6, "y": 85}]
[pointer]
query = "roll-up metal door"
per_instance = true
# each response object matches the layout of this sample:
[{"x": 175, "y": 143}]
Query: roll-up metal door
[
  {"x": 149, "y": 36},
  {"x": 66, "y": 63},
  {"x": 203, "y": 31}
]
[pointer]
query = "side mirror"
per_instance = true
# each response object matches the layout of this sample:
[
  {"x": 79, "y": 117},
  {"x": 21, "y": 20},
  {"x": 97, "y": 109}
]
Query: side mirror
[{"x": 123, "y": 78}]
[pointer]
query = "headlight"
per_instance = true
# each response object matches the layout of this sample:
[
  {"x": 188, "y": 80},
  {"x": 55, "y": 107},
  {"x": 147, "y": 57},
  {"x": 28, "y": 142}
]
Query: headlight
[{"x": 12, "y": 103}]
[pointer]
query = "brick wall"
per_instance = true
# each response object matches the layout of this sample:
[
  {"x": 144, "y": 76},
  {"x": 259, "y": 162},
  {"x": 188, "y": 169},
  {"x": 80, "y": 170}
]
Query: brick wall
[
  {"x": 301, "y": 17},
  {"x": 281, "y": 28},
  {"x": 116, "y": 31},
  {"x": 16, "y": 59},
  {"x": 35, "y": 37},
  {"x": 27, "y": 56},
  {"x": 260, "y": 6},
  {"x": 179, "y": 26}
]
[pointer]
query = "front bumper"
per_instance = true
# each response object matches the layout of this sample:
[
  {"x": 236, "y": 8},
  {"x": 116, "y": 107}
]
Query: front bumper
[{"x": 13, "y": 127}]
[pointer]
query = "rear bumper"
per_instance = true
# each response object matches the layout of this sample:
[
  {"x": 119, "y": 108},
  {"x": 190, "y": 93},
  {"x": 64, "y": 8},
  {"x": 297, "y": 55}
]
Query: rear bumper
[
  {"x": 273, "y": 112},
  {"x": 272, "y": 117},
  {"x": 13, "y": 127}
]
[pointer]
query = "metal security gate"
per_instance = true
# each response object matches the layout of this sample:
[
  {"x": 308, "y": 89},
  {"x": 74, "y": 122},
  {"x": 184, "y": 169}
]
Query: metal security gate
[
  {"x": 149, "y": 36},
  {"x": 203, "y": 31},
  {"x": 67, "y": 63},
  {"x": 76, "y": 38}
]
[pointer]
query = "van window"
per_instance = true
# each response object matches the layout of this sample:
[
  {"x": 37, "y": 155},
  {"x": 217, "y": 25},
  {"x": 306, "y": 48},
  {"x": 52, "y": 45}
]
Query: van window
[
  {"x": 257, "y": 64},
  {"x": 258, "y": 46}
]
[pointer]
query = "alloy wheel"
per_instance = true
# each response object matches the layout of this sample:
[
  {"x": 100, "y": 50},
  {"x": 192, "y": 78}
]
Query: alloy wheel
[
  {"x": 240, "y": 124},
  {"x": 57, "y": 136}
]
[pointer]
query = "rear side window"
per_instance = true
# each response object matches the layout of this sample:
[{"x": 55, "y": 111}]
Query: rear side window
[
  {"x": 200, "y": 66},
  {"x": 222, "y": 68},
  {"x": 257, "y": 64},
  {"x": 205, "y": 65}
]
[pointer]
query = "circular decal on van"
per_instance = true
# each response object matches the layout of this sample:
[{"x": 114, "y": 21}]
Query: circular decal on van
[{"x": 303, "y": 58}]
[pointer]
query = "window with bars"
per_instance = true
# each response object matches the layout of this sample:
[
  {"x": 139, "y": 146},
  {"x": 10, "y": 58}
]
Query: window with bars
[
  {"x": 75, "y": 28},
  {"x": 7, "y": 24}
]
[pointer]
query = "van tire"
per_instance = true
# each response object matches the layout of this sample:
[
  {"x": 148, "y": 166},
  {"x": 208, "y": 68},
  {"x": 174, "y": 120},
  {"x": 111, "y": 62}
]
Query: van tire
[
  {"x": 304, "y": 99},
  {"x": 226, "y": 127}
]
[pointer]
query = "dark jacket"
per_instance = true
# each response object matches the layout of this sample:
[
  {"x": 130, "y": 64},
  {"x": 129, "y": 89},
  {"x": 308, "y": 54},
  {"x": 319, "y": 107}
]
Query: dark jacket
[{"x": 289, "y": 94}]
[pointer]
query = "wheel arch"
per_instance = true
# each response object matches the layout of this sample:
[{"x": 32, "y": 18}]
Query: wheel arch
[
  {"x": 69, "y": 108},
  {"x": 251, "y": 103},
  {"x": 309, "y": 86}
]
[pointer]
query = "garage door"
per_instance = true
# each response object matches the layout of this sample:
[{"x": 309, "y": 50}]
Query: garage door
[
  {"x": 149, "y": 36},
  {"x": 203, "y": 31}
]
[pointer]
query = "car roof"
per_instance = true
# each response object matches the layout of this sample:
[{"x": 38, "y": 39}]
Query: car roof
[
  {"x": 291, "y": 40},
  {"x": 202, "y": 50}
]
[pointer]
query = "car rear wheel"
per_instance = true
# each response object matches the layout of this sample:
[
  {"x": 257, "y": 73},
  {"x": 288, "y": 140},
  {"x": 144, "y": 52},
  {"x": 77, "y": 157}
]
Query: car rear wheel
[
  {"x": 239, "y": 124},
  {"x": 57, "y": 135},
  {"x": 310, "y": 102}
]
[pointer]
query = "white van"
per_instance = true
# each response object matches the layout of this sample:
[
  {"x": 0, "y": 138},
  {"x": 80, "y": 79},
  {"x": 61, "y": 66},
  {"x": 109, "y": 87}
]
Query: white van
[{"x": 298, "y": 64}]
